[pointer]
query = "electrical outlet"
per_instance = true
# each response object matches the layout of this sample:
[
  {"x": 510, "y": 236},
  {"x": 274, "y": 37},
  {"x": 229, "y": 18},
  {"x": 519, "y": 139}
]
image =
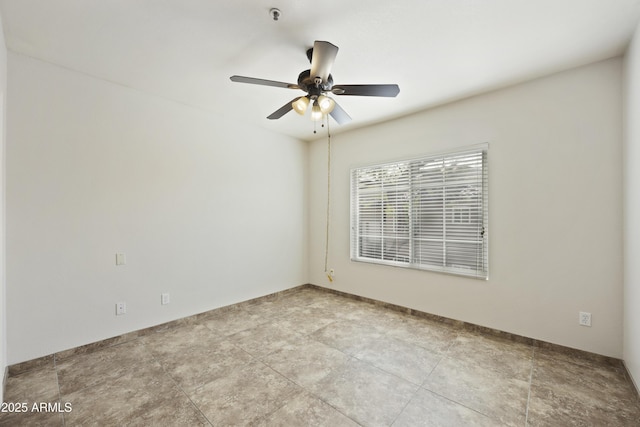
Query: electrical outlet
[
  {"x": 584, "y": 318},
  {"x": 164, "y": 299},
  {"x": 121, "y": 308}
]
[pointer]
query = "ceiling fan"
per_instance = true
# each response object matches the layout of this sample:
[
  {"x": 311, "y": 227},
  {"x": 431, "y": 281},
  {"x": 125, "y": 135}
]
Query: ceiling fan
[{"x": 318, "y": 83}]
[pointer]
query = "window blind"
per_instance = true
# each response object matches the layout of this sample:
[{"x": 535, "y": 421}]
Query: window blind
[{"x": 427, "y": 213}]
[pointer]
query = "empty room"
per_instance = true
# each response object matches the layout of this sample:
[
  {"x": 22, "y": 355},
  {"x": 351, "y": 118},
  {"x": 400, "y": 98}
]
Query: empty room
[{"x": 297, "y": 213}]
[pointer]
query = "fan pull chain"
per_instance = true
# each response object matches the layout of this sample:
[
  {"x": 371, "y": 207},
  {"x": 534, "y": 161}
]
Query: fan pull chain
[{"x": 326, "y": 248}]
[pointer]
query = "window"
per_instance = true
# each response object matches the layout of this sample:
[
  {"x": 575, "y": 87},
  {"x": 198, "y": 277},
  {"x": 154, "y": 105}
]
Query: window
[{"x": 428, "y": 213}]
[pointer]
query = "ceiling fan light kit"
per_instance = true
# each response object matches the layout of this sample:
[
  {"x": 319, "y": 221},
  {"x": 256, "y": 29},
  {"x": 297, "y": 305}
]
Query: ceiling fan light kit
[
  {"x": 300, "y": 105},
  {"x": 317, "y": 82},
  {"x": 326, "y": 104},
  {"x": 316, "y": 112}
]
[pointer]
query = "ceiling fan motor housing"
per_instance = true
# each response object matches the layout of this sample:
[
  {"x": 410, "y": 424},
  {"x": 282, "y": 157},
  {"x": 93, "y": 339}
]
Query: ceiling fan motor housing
[{"x": 308, "y": 83}]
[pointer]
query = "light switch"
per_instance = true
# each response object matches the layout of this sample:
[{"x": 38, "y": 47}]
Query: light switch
[
  {"x": 120, "y": 259},
  {"x": 165, "y": 299}
]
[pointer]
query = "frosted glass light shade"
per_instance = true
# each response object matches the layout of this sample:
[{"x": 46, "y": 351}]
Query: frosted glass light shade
[
  {"x": 300, "y": 105},
  {"x": 326, "y": 104},
  {"x": 316, "y": 112}
]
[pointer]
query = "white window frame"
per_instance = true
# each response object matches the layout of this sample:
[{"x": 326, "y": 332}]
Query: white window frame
[{"x": 398, "y": 204}]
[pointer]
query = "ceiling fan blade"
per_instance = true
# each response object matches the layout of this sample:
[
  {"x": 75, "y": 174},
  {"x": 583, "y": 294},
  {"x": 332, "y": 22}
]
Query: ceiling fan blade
[
  {"x": 282, "y": 110},
  {"x": 324, "y": 53},
  {"x": 339, "y": 115},
  {"x": 367, "y": 90},
  {"x": 263, "y": 82}
]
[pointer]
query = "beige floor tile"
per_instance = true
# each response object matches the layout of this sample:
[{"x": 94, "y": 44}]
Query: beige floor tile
[
  {"x": 36, "y": 419},
  {"x": 303, "y": 297},
  {"x": 197, "y": 365},
  {"x": 381, "y": 317},
  {"x": 232, "y": 321},
  {"x": 179, "y": 412},
  {"x": 433, "y": 336},
  {"x": 514, "y": 359},
  {"x": 306, "y": 361},
  {"x": 365, "y": 393},
  {"x": 348, "y": 336},
  {"x": 573, "y": 356},
  {"x": 316, "y": 358},
  {"x": 550, "y": 406},
  {"x": 584, "y": 382},
  {"x": 194, "y": 355},
  {"x": 270, "y": 309},
  {"x": 580, "y": 394},
  {"x": 358, "y": 311},
  {"x": 306, "y": 410},
  {"x": 244, "y": 395},
  {"x": 263, "y": 339},
  {"x": 403, "y": 359},
  {"x": 38, "y": 385},
  {"x": 305, "y": 320},
  {"x": 429, "y": 409},
  {"x": 25, "y": 390},
  {"x": 136, "y": 395},
  {"x": 487, "y": 391},
  {"x": 344, "y": 308},
  {"x": 171, "y": 341},
  {"x": 84, "y": 370}
]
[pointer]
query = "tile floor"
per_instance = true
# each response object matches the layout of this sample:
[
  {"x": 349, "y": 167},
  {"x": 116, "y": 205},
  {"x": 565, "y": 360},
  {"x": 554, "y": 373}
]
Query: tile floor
[{"x": 314, "y": 358}]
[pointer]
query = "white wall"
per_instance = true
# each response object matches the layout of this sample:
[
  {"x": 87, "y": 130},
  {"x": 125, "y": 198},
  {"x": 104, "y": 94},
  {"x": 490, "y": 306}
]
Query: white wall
[
  {"x": 632, "y": 209},
  {"x": 207, "y": 209},
  {"x": 3, "y": 91},
  {"x": 94, "y": 169},
  {"x": 555, "y": 208}
]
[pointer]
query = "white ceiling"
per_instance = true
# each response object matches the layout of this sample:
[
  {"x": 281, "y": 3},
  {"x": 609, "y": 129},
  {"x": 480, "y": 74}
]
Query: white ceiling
[{"x": 435, "y": 50}]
